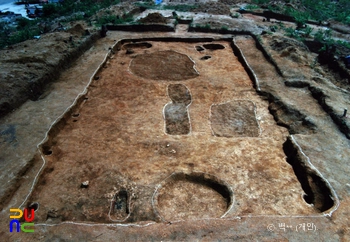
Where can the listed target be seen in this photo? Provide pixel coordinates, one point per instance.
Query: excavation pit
(192, 196)
(141, 45)
(199, 48)
(177, 121)
(234, 119)
(206, 57)
(122, 142)
(164, 65)
(214, 46)
(119, 210)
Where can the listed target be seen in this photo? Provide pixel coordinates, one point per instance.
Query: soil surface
(258, 147)
(127, 114)
(163, 65)
(234, 119)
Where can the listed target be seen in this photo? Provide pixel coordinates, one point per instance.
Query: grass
(323, 10)
(68, 7)
(224, 27)
(207, 26)
(252, 7)
(27, 29)
(319, 10)
(112, 19)
(305, 10)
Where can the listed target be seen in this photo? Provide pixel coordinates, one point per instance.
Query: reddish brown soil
(163, 65)
(234, 119)
(176, 114)
(189, 197)
(117, 142)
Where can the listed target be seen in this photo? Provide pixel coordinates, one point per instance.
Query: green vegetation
(251, 7)
(300, 17)
(207, 26)
(261, 1)
(112, 19)
(68, 7)
(236, 15)
(224, 27)
(26, 29)
(304, 10)
(76, 10)
(301, 10)
(322, 36)
(327, 9)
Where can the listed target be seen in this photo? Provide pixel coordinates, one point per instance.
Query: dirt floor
(116, 140)
(190, 139)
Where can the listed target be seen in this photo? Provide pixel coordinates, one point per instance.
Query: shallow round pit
(213, 46)
(206, 57)
(34, 206)
(140, 45)
(199, 48)
(163, 65)
(46, 150)
(192, 196)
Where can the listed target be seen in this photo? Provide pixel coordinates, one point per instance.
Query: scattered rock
(84, 184)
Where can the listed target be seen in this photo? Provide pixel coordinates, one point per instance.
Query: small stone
(84, 184)
(96, 77)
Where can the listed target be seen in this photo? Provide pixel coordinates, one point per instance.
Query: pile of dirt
(29, 66)
(77, 30)
(154, 18)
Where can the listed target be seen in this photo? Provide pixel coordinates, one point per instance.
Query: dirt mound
(77, 30)
(29, 66)
(154, 18)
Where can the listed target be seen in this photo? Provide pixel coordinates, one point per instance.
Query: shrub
(224, 27)
(113, 19)
(251, 7)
